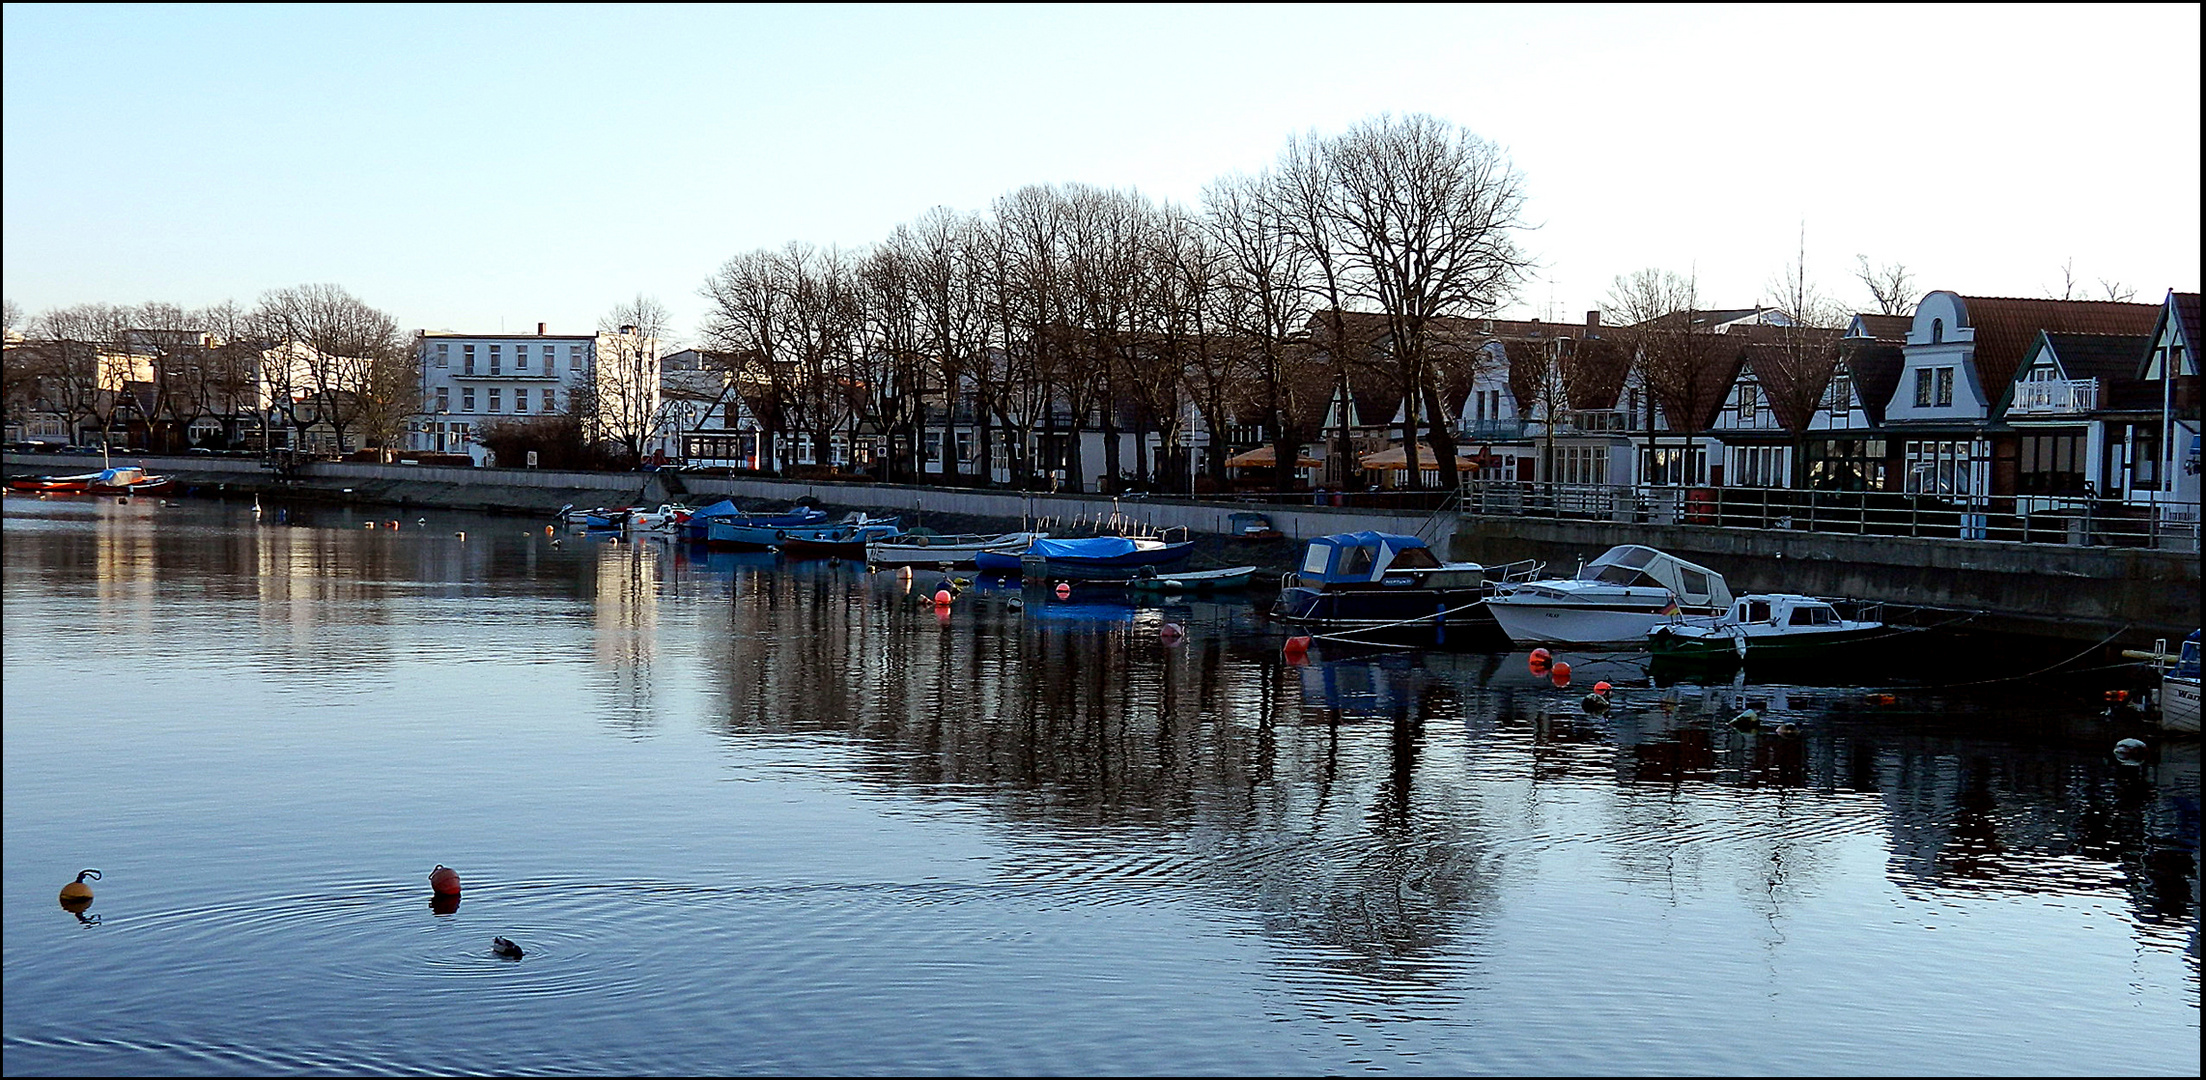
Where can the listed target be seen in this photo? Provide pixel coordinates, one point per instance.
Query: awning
(1262, 458)
(1395, 457)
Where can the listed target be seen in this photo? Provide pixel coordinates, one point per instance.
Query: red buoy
(1064, 589)
(1538, 661)
(1602, 687)
(1562, 673)
(1297, 647)
(445, 880)
(942, 597)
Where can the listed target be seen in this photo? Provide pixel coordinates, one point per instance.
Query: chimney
(1593, 319)
(539, 329)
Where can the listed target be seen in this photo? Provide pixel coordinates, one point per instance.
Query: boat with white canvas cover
(1615, 599)
(916, 549)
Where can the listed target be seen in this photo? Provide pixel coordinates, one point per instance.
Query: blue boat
(723, 525)
(1389, 585)
(1094, 558)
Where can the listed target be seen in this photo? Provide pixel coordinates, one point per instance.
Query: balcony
(2055, 397)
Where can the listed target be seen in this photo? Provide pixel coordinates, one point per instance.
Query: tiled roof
(1875, 366)
(2007, 327)
(1713, 317)
(1886, 327)
(1794, 376)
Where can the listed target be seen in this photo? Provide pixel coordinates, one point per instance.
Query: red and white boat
(77, 484)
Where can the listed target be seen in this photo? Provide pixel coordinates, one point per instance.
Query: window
(1581, 465)
(2050, 464)
(1940, 467)
(551, 362)
(521, 400)
(494, 392)
(467, 359)
(965, 446)
(1842, 393)
(1750, 402)
(1760, 466)
(467, 399)
(494, 350)
(2144, 459)
(1923, 382)
(1937, 331)
(1945, 387)
(444, 355)
(574, 357)
(550, 402)
(934, 446)
(1674, 465)
(521, 363)
(444, 399)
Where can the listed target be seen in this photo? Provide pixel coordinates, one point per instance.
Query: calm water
(759, 817)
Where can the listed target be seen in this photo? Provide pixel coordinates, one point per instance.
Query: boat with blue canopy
(1091, 558)
(1392, 585)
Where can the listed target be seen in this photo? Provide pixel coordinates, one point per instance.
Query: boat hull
(944, 551)
(1576, 624)
(1720, 645)
(2179, 703)
(1408, 612)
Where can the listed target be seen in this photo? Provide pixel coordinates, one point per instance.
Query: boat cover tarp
(723, 508)
(1087, 547)
(1635, 564)
(1354, 556)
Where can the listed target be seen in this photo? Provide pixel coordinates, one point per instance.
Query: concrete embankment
(2084, 593)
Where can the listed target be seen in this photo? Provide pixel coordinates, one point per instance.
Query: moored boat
(128, 480)
(915, 549)
(1089, 558)
(1389, 585)
(1764, 627)
(75, 484)
(1615, 599)
(1231, 577)
(2179, 690)
(842, 540)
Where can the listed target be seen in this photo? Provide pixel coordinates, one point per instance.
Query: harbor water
(745, 814)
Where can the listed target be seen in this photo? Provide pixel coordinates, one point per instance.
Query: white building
(469, 380)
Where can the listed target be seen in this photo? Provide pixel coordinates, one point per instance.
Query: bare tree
(1680, 363)
(1264, 289)
(626, 375)
(336, 349)
(748, 306)
(1795, 362)
(1428, 215)
(1891, 286)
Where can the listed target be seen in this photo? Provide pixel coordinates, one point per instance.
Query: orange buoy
(445, 880)
(1538, 661)
(942, 598)
(1542, 656)
(1561, 674)
(1064, 589)
(1297, 646)
(547, 530)
(1602, 687)
(76, 895)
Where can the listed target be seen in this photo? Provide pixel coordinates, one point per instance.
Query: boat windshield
(1414, 559)
(1615, 574)
(1813, 615)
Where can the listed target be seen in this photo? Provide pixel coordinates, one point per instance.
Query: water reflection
(1408, 835)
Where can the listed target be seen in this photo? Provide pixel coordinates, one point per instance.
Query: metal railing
(2026, 519)
(2059, 397)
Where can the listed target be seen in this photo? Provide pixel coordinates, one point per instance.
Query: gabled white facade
(468, 380)
(1938, 378)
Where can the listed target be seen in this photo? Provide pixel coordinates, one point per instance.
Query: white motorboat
(1615, 599)
(1763, 626)
(2179, 690)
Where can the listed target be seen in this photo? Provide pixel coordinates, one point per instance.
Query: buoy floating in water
(76, 895)
(1560, 676)
(1064, 589)
(1595, 702)
(445, 880)
(1539, 660)
(2128, 752)
(505, 949)
(1297, 647)
(461, 535)
(942, 598)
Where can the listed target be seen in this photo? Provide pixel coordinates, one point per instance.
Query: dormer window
(1937, 331)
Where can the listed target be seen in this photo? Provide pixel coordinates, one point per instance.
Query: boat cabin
(1782, 609)
(1377, 558)
(1635, 565)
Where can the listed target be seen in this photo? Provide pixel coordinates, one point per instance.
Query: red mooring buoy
(445, 880)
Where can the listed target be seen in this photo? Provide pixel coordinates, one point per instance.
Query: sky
(483, 169)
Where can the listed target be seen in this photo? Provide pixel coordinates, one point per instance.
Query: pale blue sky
(472, 168)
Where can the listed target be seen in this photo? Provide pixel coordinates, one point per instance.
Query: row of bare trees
(308, 358)
(1073, 307)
